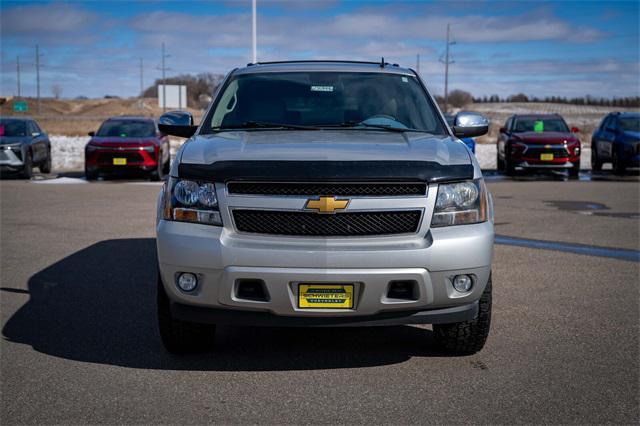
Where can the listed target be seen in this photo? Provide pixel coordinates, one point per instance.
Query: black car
(617, 140)
(23, 145)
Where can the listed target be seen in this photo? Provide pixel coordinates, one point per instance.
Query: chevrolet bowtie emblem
(326, 204)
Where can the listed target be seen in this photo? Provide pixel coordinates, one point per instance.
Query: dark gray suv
(23, 145)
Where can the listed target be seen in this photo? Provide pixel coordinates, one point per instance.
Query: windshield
(630, 124)
(534, 124)
(323, 99)
(127, 129)
(13, 128)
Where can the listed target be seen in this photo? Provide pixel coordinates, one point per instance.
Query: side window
(31, 128)
(607, 123)
(509, 123)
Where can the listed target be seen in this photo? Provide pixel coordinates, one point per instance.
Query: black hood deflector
(326, 171)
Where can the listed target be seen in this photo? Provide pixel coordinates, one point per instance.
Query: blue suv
(617, 140)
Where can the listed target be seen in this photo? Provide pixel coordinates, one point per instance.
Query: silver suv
(324, 193)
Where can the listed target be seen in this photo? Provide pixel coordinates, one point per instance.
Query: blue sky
(540, 48)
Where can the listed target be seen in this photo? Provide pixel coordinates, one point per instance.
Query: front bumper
(221, 257)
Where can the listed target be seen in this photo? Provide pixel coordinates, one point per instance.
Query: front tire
(467, 337)
(181, 337)
(618, 165)
(596, 164)
(27, 169)
(574, 171)
(45, 166)
(510, 170)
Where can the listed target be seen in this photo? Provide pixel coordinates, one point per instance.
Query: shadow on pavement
(98, 305)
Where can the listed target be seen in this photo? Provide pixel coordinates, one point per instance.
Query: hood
(545, 137)
(634, 136)
(324, 145)
(116, 141)
(9, 140)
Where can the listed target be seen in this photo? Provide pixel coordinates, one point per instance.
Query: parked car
(23, 145)
(538, 141)
(469, 142)
(324, 194)
(127, 144)
(617, 140)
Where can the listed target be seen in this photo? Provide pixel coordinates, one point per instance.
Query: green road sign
(20, 106)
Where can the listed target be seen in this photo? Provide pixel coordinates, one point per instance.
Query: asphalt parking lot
(80, 342)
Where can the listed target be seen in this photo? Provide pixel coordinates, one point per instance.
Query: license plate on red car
(546, 157)
(119, 161)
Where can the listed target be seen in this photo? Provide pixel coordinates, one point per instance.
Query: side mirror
(177, 123)
(575, 130)
(503, 130)
(92, 134)
(35, 134)
(470, 124)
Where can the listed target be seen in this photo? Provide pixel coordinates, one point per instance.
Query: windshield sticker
(322, 88)
(405, 80)
(538, 126)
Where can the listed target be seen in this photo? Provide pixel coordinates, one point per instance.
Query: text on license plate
(546, 157)
(119, 161)
(325, 296)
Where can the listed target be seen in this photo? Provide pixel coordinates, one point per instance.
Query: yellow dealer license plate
(119, 161)
(325, 296)
(546, 157)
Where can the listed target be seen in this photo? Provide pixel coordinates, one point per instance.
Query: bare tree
(460, 98)
(56, 91)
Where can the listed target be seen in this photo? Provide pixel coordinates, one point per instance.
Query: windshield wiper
(265, 125)
(356, 124)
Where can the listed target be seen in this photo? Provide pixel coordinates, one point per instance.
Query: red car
(541, 141)
(127, 144)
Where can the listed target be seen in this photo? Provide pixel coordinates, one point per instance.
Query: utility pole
(254, 29)
(38, 75)
(447, 62)
(18, 72)
(141, 82)
(164, 82)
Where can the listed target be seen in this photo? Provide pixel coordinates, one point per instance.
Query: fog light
(187, 281)
(462, 283)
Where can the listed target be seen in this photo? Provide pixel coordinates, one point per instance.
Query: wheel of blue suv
(596, 164)
(467, 337)
(45, 166)
(27, 168)
(181, 337)
(617, 163)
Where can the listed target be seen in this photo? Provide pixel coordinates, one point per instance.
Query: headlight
(191, 201)
(91, 147)
(460, 203)
(148, 148)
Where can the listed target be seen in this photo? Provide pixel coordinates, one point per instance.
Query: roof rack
(382, 64)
